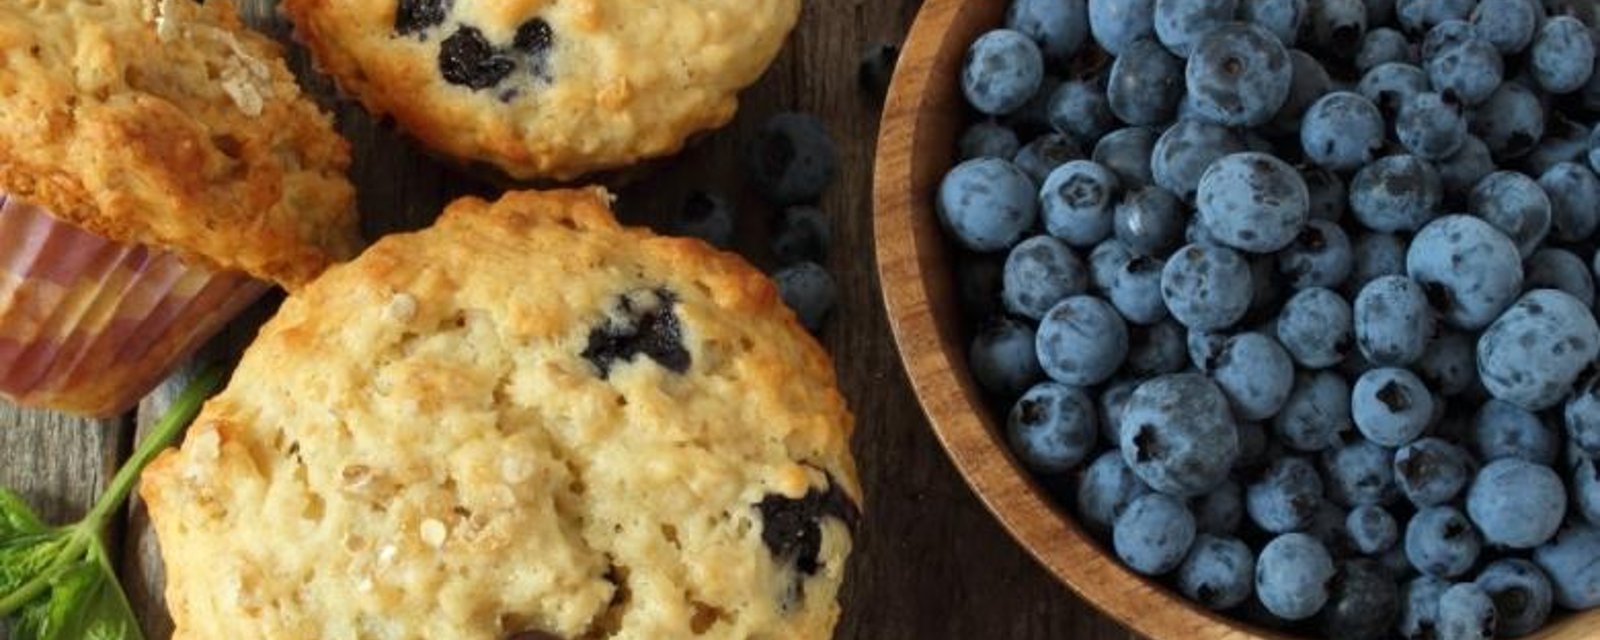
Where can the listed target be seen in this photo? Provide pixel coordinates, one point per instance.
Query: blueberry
(1205, 349)
(1582, 416)
(1360, 474)
(1149, 221)
(1153, 534)
(1156, 349)
(1376, 255)
(1383, 45)
(1181, 24)
(1431, 125)
(1531, 355)
(535, 39)
(1184, 151)
(1431, 471)
(1206, 287)
(1253, 201)
(1585, 478)
(467, 59)
(809, 290)
(1043, 154)
(1364, 603)
(1320, 256)
(644, 324)
(1003, 358)
(1395, 193)
(1041, 272)
(1052, 428)
(1466, 167)
(1136, 290)
(1440, 542)
(1466, 613)
(988, 139)
(1514, 204)
(1449, 364)
(1393, 322)
(1336, 27)
(1574, 201)
(1178, 435)
(1285, 497)
(1081, 341)
(1327, 193)
(1281, 18)
(1238, 75)
(1316, 414)
(792, 159)
(706, 216)
(1594, 149)
(803, 235)
(1033, 117)
(1002, 69)
(1392, 84)
(1516, 503)
(1469, 269)
(1315, 326)
(1106, 489)
(1372, 530)
(1342, 131)
(987, 204)
(416, 16)
(1146, 84)
(1521, 594)
(1077, 201)
(1309, 82)
(1391, 407)
(1220, 511)
(1568, 561)
(1106, 262)
(1255, 373)
(1116, 24)
(1419, 607)
(1560, 269)
(1059, 27)
(792, 528)
(1506, 24)
(1080, 110)
(1504, 430)
(1417, 16)
(1126, 152)
(1219, 572)
(1113, 397)
(1562, 57)
(1294, 574)
(1468, 70)
(876, 70)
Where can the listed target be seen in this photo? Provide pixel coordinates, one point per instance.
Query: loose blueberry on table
(1310, 335)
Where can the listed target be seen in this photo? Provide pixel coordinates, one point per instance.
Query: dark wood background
(930, 561)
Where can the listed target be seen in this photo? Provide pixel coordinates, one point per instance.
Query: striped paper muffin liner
(88, 325)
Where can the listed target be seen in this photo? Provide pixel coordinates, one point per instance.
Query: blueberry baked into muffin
(547, 88)
(526, 422)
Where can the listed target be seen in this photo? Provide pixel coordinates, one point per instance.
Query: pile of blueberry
(1292, 301)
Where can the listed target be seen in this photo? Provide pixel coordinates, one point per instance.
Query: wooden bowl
(916, 146)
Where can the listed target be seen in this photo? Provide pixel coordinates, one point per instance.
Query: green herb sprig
(57, 583)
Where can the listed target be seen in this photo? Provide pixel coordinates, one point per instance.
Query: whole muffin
(525, 422)
(547, 88)
(158, 169)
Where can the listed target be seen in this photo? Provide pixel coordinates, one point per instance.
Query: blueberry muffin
(159, 169)
(547, 88)
(526, 422)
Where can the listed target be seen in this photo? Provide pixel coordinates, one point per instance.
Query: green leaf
(85, 603)
(23, 558)
(16, 518)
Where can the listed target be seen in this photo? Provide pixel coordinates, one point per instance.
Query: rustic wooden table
(930, 562)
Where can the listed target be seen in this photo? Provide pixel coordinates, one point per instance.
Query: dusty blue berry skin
(1039, 273)
(1392, 84)
(1320, 256)
(1342, 131)
(1391, 406)
(1003, 359)
(1510, 122)
(1136, 291)
(1204, 348)
(1003, 68)
(1506, 24)
(1360, 474)
(1582, 417)
(792, 159)
(1364, 604)
(1060, 28)
(1449, 365)
(1219, 572)
(1079, 109)
(1156, 349)
(987, 204)
(1185, 150)
(1149, 221)
(1178, 436)
(1533, 353)
(804, 234)
(1585, 478)
(1309, 80)
(1105, 490)
(1282, 18)
(1335, 27)
(1431, 126)
(1153, 534)
(1568, 561)
(1562, 57)
(1504, 430)
(1470, 69)
(1466, 167)
(1516, 503)
(988, 139)
(1077, 201)
(1115, 24)
(1594, 149)
(1293, 573)
(1559, 269)
(1419, 607)
(1238, 75)
(1106, 260)
(1556, 147)
(1285, 497)
(1182, 24)
(1315, 326)
(1396, 193)
(1521, 594)
(1082, 341)
(1516, 205)
(1418, 16)
(1253, 201)
(1113, 397)
(1383, 45)
(1371, 529)
(1126, 152)
(1317, 412)
(1327, 191)
(1470, 270)
(1431, 471)
(1043, 154)
(1376, 255)
(809, 290)
(1441, 542)
(1466, 613)
(1206, 288)
(1393, 322)
(1255, 373)
(1220, 511)
(1052, 428)
(1574, 201)
(1146, 84)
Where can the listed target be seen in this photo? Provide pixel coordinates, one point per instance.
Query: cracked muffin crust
(525, 422)
(547, 88)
